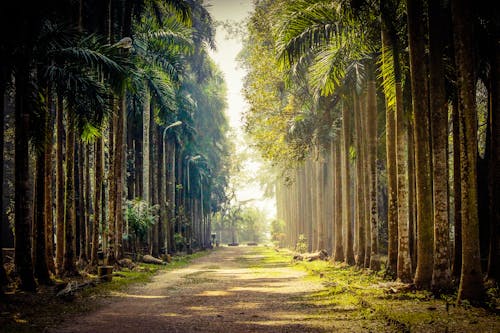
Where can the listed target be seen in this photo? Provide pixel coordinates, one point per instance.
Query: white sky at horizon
(225, 58)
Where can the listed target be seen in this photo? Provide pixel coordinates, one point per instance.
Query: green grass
(364, 296)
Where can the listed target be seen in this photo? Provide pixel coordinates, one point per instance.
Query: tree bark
(97, 201)
(471, 282)
(48, 183)
(360, 218)
(23, 199)
(441, 276)
(372, 159)
(457, 194)
(392, 179)
(420, 97)
(40, 253)
(346, 185)
(120, 149)
(70, 212)
(59, 186)
(494, 186)
(3, 274)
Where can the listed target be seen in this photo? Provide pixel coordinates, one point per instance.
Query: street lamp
(170, 196)
(177, 123)
(189, 160)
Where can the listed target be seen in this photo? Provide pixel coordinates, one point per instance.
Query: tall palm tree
(471, 282)
(441, 275)
(420, 98)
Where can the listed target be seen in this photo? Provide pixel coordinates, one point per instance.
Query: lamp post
(190, 233)
(170, 197)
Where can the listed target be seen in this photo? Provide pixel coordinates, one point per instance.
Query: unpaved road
(230, 290)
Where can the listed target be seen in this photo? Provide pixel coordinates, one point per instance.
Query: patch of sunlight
(266, 289)
(201, 308)
(124, 295)
(171, 314)
(214, 293)
(247, 305)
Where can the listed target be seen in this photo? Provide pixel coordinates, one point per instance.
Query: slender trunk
(23, 259)
(494, 186)
(339, 240)
(319, 201)
(371, 109)
(48, 181)
(471, 281)
(146, 114)
(420, 98)
(360, 218)
(40, 254)
(79, 202)
(154, 189)
(88, 202)
(367, 193)
(97, 201)
(171, 195)
(392, 179)
(162, 194)
(120, 149)
(3, 274)
(70, 212)
(59, 186)
(404, 266)
(112, 187)
(441, 276)
(457, 194)
(309, 204)
(346, 185)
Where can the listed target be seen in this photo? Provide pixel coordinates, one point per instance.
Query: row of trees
(369, 110)
(111, 100)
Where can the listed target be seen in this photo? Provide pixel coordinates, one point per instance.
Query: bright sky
(225, 57)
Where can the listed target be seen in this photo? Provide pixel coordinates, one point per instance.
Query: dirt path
(230, 290)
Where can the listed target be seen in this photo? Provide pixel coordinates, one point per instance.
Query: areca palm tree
(326, 36)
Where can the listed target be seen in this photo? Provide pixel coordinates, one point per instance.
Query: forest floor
(257, 289)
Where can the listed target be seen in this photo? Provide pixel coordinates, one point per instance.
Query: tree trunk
(112, 187)
(471, 281)
(40, 253)
(420, 97)
(457, 194)
(146, 114)
(70, 212)
(494, 186)
(88, 202)
(48, 181)
(154, 189)
(80, 202)
(171, 194)
(23, 199)
(371, 109)
(360, 218)
(320, 179)
(441, 276)
(162, 194)
(97, 200)
(346, 185)
(120, 150)
(3, 274)
(392, 175)
(59, 186)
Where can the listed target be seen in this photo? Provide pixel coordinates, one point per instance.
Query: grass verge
(368, 301)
